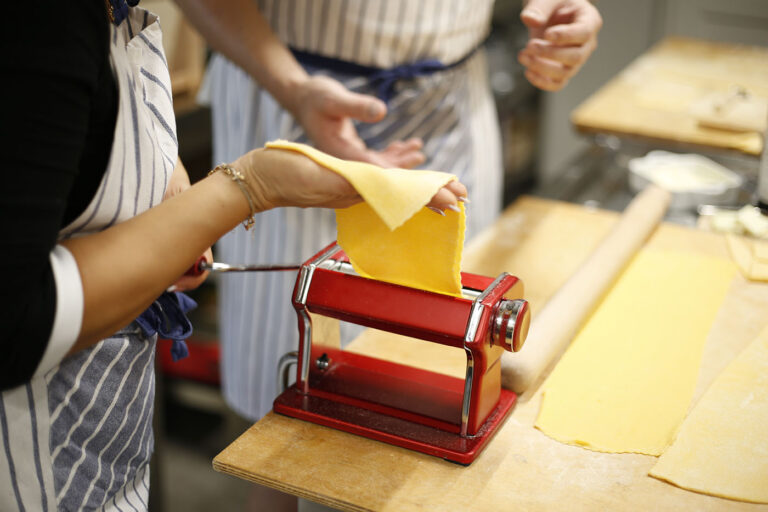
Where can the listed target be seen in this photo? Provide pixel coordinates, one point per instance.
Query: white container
(692, 179)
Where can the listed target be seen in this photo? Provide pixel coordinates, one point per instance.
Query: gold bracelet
(238, 178)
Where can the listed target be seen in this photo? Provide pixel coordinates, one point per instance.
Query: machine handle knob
(198, 267)
(510, 324)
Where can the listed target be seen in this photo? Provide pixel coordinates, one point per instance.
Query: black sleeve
(55, 60)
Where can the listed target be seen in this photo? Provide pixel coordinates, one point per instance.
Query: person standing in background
(392, 82)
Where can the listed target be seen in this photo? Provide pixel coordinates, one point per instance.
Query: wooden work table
(542, 242)
(655, 97)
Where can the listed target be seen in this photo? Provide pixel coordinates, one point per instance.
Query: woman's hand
(325, 109)
(563, 34)
(285, 178)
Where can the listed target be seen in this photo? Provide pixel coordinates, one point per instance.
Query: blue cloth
(166, 317)
(120, 9)
(382, 79)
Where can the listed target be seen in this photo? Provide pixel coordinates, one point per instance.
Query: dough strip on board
(553, 328)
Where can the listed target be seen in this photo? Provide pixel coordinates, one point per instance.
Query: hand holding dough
(391, 236)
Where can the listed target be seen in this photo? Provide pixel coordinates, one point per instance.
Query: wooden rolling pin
(553, 328)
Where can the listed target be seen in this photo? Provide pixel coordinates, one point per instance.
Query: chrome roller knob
(510, 324)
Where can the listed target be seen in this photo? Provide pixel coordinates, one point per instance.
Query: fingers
(544, 83)
(561, 44)
(403, 154)
(458, 189)
(401, 146)
(349, 146)
(536, 13)
(549, 66)
(575, 24)
(360, 106)
(399, 154)
(572, 34)
(326, 114)
(448, 198)
(570, 21)
(544, 73)
(345, 143)
(192, 282)
(571, 56)
(338, 101)
(407, 161)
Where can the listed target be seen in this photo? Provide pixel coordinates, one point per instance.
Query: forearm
(237, 29)
(126, 267)
(123, 269)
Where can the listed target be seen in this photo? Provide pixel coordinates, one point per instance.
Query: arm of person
(124, 260)
(60, 297)
(121, 270)
(563, 34)
(323, 106)
(178, 183)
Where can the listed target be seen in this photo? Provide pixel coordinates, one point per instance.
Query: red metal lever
(196, 268)
(202, 265)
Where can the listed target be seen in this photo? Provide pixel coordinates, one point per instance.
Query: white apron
(452, 111)
(81, 436)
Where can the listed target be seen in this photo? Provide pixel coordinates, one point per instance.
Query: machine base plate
(389, 429)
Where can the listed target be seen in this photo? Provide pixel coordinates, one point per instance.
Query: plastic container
(692, 179)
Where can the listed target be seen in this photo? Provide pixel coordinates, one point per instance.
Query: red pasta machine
(402, 405)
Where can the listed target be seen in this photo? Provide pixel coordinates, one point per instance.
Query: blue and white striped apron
(452, 111)
(80, 437)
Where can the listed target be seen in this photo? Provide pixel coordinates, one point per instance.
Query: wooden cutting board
(542, 242)
(660, 95)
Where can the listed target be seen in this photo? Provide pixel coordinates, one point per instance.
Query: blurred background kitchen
(555, 146)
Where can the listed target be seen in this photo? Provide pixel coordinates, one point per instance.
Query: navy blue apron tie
(166, 317)
(120, 8)
(383, 80)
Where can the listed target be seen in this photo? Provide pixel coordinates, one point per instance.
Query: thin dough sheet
(392, 237)
(625, 383)
(722, 447)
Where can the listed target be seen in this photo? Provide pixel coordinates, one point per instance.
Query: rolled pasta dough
(722, 447)
(626, 382)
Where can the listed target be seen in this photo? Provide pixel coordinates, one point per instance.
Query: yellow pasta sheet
(391, 236)
(722, 447)
(625, 383)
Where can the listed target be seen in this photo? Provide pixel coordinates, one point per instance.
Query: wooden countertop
(653, 98)
(542, 242)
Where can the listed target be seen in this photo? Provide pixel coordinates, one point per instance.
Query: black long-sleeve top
(58, 109)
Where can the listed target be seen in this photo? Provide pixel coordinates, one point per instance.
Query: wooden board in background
(655, 97)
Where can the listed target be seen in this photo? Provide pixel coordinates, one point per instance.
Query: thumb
(536, 13)
(358, 106)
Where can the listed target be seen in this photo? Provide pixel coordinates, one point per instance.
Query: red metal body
(402, 405)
